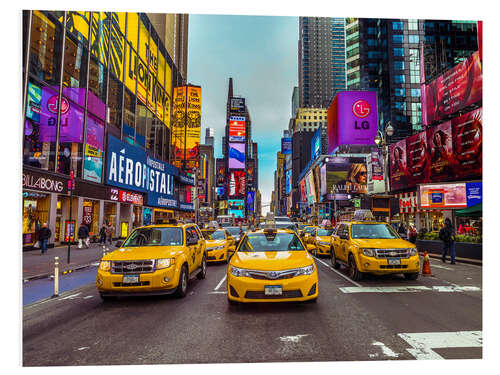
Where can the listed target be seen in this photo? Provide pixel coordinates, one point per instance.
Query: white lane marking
(295, 338)
(87, 297)
(409, 289)
(442, 267)
(385, 350)
(84, 348)
(220, 283)
(72, 296)
(217, 293)
(423, 343)
(334, 270)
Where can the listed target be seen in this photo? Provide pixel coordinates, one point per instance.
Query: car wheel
(316, 252)
(106, 298)
(335, 264)
(203, 273)
(183, 281)
(227, 257)
(411, 276)
(354, 273)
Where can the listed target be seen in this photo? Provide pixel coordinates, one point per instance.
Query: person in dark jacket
(102, 234)
(447, 235)
(43, 237)
(83, 236)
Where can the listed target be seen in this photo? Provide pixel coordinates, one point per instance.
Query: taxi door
(340, 252)
(192, 243)
(202, 244)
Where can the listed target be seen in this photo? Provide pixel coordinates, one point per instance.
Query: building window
(75, 66)
(397, 38)
(412, 24)
(129, 118)
(415, 93)
(413, 39)
(399, 78)
(400, 92)
(115, 103)
(397, 25)
(399, 52)
(399, 65)
(97, 83)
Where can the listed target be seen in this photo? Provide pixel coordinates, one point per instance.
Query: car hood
(323, 238)
(272, 260)
(215, 243)
(144, 252)
(394, 243)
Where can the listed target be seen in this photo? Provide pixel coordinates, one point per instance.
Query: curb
(460, 260)
(47, 275)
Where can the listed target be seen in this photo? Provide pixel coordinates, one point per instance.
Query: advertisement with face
(454, 90)
(236, 207)
(221, 172)
(468, 144)
(418, 158)
(237, 130)
(323, 179)
(347, 174)
(236, 155)
(311, 194)
(250, 172)
(443, 196)
(236, 184)
(303, 193)
(440, 141)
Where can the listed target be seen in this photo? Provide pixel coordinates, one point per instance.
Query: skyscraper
(321, 53)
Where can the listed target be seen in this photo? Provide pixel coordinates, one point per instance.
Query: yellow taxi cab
(307, 233)
(321, 240)
(155, 259)
(271, 265)
(220, 244)
(367, 246)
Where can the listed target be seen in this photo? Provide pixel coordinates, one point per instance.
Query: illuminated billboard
(236, 155)
(286, 146)
(236, 184)
(443, 196)
(237, 105)
(237, 129)
(236, 207)
(352, 119)
(347, 174)
(288, 187)
(220, 166)
(452, 91)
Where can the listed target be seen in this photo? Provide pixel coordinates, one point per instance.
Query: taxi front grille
(210, 258)
(261, 295)
(133, 266)
(392, 267)
(392, 253)
(140, 283)
(272, 275)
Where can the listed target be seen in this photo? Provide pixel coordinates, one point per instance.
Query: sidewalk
(39, 266)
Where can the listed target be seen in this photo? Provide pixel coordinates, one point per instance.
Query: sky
(260, 54)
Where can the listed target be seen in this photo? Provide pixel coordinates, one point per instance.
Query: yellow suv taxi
(307, 233)
(271, 265)
(373, 247)
(321, 238)
(155, 259)
(220, 244)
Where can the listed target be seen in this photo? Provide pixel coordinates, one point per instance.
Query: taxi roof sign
(363, 215)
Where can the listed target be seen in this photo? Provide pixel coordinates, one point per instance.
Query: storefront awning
(474, 211)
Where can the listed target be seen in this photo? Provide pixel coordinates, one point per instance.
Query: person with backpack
(83, 236)
(447, 235)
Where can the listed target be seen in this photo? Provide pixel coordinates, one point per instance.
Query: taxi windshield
(235, 231)
(369, 231)
(271, 242)
(155, 237)
(325, 232)
(217, 235)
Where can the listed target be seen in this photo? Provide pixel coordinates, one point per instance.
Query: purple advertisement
(236, 155)
(353, 121)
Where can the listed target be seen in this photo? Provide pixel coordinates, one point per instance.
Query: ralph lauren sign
(41, 181)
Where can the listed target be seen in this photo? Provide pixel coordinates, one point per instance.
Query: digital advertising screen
(443, 196)
(316, 144)
(398, 165)
(237, 105)
(286, 146)
(467, 131)
(251, 201)
(220, 191)
(288, 187)
(418, 158)
(236, 207)
(250, 172)
(236, 155)
(347, 174)
(236, 184)
(237, 128)
(220, 172)
(442, 159)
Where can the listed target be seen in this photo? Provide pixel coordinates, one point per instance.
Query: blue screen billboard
(286, 146)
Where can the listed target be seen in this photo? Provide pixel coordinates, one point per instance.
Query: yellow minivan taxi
(155, 259)
(373, 247)
(271, 265)
(220, 245)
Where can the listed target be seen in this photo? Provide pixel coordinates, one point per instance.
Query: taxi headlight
(238, 272)
(215, 248)
(413, 251)
(105, 265)
(164, 263)
(305, 270)
(368, 252)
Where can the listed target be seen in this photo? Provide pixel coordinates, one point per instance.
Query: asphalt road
(379, 318)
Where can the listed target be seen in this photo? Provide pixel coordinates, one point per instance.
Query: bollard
(103, 250)
(56, 277)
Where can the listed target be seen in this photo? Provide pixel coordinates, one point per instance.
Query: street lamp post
(334, 193)
(381, 141)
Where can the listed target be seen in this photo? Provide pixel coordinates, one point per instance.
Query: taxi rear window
(217, 235)
(271, 242)
(325, 232)
(155, 237)
(369, 231)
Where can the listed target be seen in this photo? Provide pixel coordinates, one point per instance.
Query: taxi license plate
(273, 290)
(130, 279)
(394, 262)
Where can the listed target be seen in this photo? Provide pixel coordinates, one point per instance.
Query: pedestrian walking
(109, 232)
(83, 236)
(447, 235)
(412, 234)
(102, 234)
(43, 237)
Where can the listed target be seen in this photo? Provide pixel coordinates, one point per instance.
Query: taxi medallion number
(130, 279)
(394, 261)
(273, 290)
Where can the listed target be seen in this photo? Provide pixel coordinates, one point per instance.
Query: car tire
(333, 258)
(181, 290)
(354, 273)
(411, 276)
(107, 298)
(203, 273)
